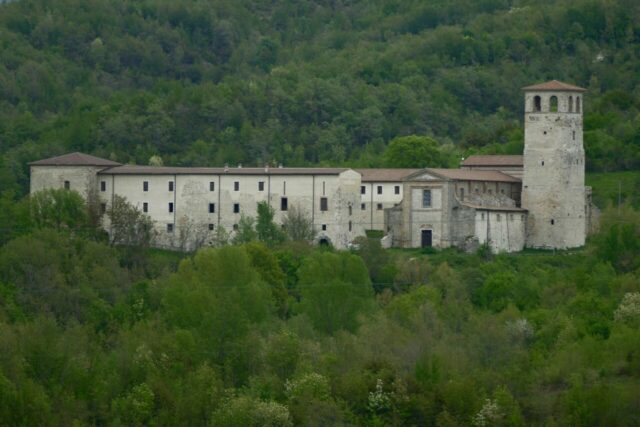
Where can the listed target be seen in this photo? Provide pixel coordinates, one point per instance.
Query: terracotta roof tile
(74, 159)
(554, 85)
(385, 175)
(167, 170)
(494, 160)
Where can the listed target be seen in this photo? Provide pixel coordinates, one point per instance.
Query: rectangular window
(212, 207)
(462, 194)
(350, 226)
(170, 185)
(236, 186)
(103, 208)
(379, 206)
(145, 186)
(212, 186)
(379, 189)
(169, 228)
(170, 207)
(145, 207)
(324, 204)
(363, 189)
(103, 185)
(67, 185)
(396, 189)
(235, 227)
(260, 185)
(426, 198)
(324, 227)
(236, 208)
(210, 227)
(284, 204)
(363, 206)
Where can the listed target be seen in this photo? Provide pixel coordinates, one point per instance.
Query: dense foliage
(248, 335)
(306, 81)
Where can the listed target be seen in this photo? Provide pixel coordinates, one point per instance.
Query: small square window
(396, 189)
(67, 185)
(212, 207)
(324, 204)
(324, 227)
(363, 189)
(145, 207)
(170, 207)
(363, 206)
(236, 186)
(236, 208)
(284, 204)
(260, 185)
(169, 228)
(379, 206)
(210, 227)
(145, 186)
(212, 186)
(170, 185)
(379, 189)
(103, 185)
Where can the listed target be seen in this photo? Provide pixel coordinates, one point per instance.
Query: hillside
(305, 82)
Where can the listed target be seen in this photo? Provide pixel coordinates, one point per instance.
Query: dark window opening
(363, 189)
(145, 207)
(379, 206)
(170, 185)
(462, 194)
(324, 204)
(350, 226)
(284, 204)
(324, 227)
(350, 210)
(379, 189)
(363, 206)
(426, 198)
(212, 186)
(396, 189)
(170, 207)
(103, 186)
(571, 104)
(210, 227)
(236, 186)
(553, 222)
(235, 227)
(103, 208)
(67, 185)
(212, 207)
(543, 163)
(169, 228)
(236, 208)
(577, 104)
(574, 135)
(553, 104)
(145, 186)
(537, 103)
(260, 185)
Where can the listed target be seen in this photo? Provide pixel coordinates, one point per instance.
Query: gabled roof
(494, 160)
(169, 170)
(74, 159)
(472, 175)
(554, 85)
(385, 175)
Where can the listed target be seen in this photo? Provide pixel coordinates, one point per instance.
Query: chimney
(226, 167)
(239, 165)
(279, 165)
(266, 168)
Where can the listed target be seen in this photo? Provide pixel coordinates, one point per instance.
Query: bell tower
(553, 188)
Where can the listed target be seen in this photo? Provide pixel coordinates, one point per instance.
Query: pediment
(425, 177)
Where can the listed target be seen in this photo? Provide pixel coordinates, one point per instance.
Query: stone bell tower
(553, 188)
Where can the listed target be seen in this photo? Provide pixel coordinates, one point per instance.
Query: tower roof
(74, 159)
(554, 85)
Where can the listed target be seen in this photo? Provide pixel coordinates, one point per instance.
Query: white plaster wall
(431, 218)
(505, 231)
(371, 217)
(80, 178)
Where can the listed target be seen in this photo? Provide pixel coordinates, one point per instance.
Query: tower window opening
(553, 104)
(553, 221)
(571, 104)
(577, 104)
(543, 163)
(537, 103)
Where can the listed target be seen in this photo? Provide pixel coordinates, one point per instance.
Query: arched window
(577, 104)
(553, 104)
(571, 104)
(537, 103)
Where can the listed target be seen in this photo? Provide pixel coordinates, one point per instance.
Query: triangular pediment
(424, 175)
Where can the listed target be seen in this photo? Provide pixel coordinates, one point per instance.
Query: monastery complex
(536, 200)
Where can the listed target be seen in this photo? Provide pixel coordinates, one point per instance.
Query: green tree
(414, 152)
(298, 225)
(59, 209)
(267, 230)
(128, 225)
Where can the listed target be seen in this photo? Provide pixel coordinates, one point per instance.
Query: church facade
(507, 202)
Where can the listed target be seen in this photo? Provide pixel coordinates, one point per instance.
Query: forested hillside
(305, 82)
